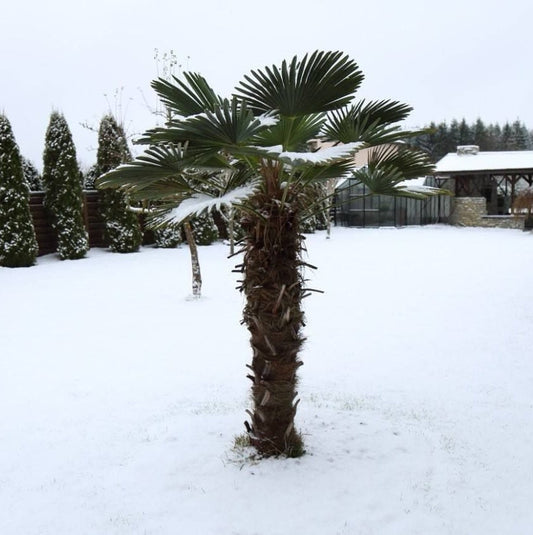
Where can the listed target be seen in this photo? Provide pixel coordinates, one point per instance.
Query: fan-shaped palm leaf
(320, 82)
(321, 173)
(189, 97)
(389, 166)
(292, 133)
(197, 203)
(371, 122)
(231, 127)
(158, 163)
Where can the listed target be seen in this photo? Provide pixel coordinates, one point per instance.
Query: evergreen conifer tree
(63, 193)
(465, 133)
(494, 137)
(506, 137)
(480, 135)
(122, 228)
(31, 175)
(519, 138)
(18, 245)
(453, 136)
(439, 140)
(442, 142)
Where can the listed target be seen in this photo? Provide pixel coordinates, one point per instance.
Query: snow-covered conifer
(18, 245)
(63, 193)
(89, 176)
(122, 228)
(31, 175)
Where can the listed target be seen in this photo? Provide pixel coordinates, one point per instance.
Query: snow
(267, 119)
(485, 161)
(121, 398)
(318, 157)
(417, 188)
(199, 202)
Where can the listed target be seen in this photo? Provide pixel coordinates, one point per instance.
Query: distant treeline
(444, 138)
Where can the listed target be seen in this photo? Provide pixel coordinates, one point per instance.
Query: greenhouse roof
(497, 162)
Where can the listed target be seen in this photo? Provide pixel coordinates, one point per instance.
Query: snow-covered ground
(120, 398)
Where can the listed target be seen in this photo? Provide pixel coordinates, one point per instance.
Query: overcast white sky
(451, 59)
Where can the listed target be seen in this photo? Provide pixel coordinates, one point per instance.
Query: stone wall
(503, 221)
(472, 212)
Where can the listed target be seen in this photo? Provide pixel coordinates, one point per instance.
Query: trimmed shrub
(18, 245)
(167, 237)
(63, 193)
(204, 229)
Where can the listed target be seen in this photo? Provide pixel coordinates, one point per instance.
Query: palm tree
(251, 152)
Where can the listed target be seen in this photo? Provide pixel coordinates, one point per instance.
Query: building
(356, 206)
(485, 185)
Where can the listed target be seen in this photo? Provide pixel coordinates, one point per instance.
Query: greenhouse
(354, 206)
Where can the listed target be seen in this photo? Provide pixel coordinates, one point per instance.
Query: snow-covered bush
(18, 245)
(204, 229)
(523, 204)
(63, 193)
(122, 227)
(167, 237)
(308, 225)
(316, 217)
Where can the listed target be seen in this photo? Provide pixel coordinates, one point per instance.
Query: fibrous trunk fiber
(273, 285)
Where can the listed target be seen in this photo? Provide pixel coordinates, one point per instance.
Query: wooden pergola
(497, 176)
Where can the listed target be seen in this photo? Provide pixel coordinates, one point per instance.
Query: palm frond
(292, 133)
(325, 156)
(319, 82)
(321, 173)
(158, 163)
(372, 122)
(412, 163)
(178, 209)
(231, 127)
(389, 167)
(189, 97)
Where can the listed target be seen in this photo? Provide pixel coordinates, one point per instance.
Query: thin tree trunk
(330, 191)
(220, 223)
(195, 262)
(231, 230)
(273, 285)
(329, 205)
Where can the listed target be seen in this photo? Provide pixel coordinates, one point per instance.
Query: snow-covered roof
(518, 160)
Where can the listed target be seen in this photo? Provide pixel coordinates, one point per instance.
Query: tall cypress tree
(122, 228)
(63, 193)
(18, 245)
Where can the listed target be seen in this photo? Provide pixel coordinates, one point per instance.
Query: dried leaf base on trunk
(273, 284)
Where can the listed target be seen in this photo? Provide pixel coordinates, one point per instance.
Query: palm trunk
(273, 285)
(195, 262)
